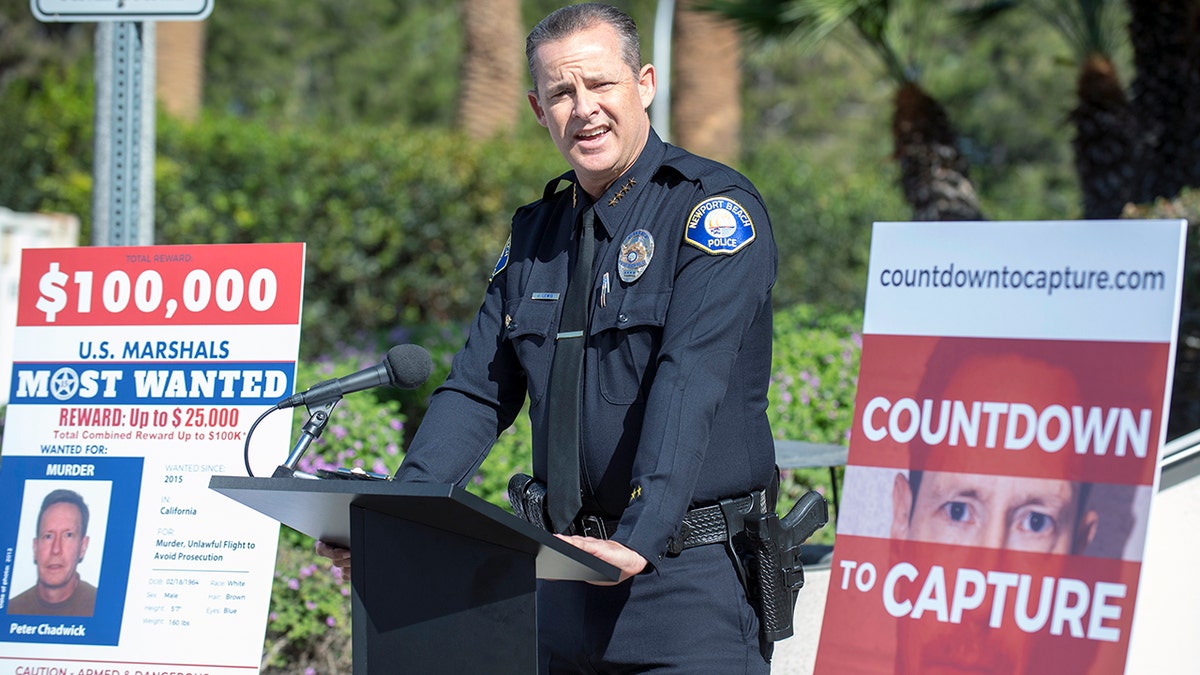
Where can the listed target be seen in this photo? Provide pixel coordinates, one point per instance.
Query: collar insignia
(621, 193)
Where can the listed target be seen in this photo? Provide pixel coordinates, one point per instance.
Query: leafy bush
(401, 228)
(821, 217)
(1184, 410)
(46, 133)
(814, 379)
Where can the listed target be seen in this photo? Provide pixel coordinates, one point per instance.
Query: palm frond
(811, 22)
(1087, 26)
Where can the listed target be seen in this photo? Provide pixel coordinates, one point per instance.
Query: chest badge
(636, 252)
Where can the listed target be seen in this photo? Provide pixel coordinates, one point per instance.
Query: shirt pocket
(527, 325)
(625, 339)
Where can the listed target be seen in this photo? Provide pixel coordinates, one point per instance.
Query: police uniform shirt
(678, 352)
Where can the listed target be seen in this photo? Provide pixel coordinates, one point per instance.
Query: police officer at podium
(645, 370)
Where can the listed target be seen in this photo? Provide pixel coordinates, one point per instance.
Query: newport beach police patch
(719, 225)
(503, 261)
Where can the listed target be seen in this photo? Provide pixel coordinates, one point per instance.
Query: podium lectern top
(321, 510)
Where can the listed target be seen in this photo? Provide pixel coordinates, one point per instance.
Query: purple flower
(293, 584)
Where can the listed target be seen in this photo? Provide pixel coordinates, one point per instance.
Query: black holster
(766, 552)
(528, 499)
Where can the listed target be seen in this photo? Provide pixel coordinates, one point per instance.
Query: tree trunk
(1107, 144)
(706, 104)
(933, 173)
(493, 64)
(179, 67)
(1166, 92)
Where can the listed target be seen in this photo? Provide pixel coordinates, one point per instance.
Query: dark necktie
(566, 383)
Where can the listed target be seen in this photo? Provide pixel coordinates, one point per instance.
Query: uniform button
(622, 318)
(512, 325)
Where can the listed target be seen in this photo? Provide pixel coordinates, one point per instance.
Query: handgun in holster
(528, 499)
(767, 550)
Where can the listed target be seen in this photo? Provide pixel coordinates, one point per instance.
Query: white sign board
(1009, 418)
(137, 374)
(121, 10)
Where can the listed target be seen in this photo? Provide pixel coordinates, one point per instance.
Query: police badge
(636, 252)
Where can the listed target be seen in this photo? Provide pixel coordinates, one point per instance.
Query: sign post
(123, 168)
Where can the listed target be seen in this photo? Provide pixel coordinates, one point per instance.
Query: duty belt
(701, 525)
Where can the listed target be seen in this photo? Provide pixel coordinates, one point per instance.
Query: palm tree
(491, 94)
(706, 96)
(933, 171)
(1108, 145)
(179, 67)
(1166, 92)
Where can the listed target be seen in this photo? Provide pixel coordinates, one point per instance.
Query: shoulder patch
(719, 225)
(503, 261)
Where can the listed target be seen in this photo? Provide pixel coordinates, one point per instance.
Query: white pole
(660, 110)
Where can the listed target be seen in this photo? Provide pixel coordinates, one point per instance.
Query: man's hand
(339, 556)
(625, 559)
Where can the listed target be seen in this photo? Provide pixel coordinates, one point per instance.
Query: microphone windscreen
(408, 366)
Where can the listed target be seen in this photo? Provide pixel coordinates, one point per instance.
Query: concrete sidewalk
(797, 654)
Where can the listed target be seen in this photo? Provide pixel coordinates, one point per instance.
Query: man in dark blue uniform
(676, 363)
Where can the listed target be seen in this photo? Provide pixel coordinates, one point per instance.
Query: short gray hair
(65, 497)
(567, 21)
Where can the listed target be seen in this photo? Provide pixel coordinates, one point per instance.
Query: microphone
(404, 367)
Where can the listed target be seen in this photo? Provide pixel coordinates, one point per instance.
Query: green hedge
(402, 227)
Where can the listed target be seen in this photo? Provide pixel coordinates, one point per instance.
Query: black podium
(443, 581)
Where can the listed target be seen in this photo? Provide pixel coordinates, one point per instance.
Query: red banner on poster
(148, 286)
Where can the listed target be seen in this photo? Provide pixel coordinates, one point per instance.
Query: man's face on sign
(59, 547)
(1020, 514)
